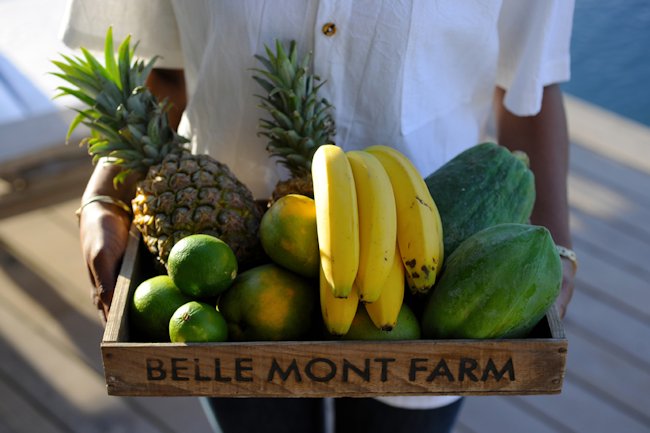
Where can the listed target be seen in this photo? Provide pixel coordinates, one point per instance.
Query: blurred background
(51, 377)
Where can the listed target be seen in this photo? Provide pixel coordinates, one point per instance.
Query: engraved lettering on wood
(325, 370)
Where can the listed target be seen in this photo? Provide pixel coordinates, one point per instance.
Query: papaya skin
(497, 284)
(483, 186)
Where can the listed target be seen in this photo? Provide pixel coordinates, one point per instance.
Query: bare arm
(544, 137)
(170, 84)
(104, 228)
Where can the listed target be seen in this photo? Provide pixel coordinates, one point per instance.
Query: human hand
(568, 283)
(104, 231)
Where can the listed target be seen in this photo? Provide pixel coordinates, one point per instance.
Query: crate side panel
(336, 368)
(117, 325)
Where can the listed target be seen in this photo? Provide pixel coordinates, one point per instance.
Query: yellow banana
(337, 218)
(384, 311)
(377, 223)
(338, 313)
(419, 229)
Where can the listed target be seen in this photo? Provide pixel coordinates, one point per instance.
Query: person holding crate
(424, 76)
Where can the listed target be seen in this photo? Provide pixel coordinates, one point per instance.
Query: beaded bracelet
(104, 199)
(568, 254)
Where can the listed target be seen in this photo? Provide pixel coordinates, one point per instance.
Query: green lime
(152, 305)
(202, 266)
(197, 322)
(362, 328)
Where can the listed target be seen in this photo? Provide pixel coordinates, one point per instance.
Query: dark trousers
(307, 415)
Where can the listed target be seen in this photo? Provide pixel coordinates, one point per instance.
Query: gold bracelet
(568, 254)
(104, 199)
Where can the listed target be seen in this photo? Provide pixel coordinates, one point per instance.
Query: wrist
(105, 200)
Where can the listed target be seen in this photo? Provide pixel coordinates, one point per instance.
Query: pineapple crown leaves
(300, 120)
(128, 124)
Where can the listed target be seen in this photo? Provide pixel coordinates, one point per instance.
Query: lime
(152, 305)
(362, 328)
(269, 302)
(201, 265)
(197, 322)
(288, 234)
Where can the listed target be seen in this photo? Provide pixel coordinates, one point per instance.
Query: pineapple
(300, 120)
(181, 193)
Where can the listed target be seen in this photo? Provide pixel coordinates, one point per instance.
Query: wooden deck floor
(51, 376)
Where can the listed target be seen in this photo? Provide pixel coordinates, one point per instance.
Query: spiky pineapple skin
(187, 194)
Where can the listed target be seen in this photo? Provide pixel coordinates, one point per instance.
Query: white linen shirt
(414, 74)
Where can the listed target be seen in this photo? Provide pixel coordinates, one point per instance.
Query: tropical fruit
(202, 266)
(300, 120)
(483, 186)
(498, 283)
(419, 229)
(377, 223)
(337, 218)
(181, 193)
(197, 322)
(152, 305)
(362, 328)
(337, 313)
(385, 310)
(269, 302)
(288, 234)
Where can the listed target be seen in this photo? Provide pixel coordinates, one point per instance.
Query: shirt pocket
(450, 58)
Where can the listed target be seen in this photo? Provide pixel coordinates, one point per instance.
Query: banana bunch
(377, 225)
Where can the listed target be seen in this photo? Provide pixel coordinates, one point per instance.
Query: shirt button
(329, 29)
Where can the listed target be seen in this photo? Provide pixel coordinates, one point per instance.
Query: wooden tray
(534, 365)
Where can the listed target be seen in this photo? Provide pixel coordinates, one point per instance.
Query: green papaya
(483, 186)
(498, 283)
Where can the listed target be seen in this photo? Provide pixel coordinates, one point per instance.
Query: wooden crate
(533, 365)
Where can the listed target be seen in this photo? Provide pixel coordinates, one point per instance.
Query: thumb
(105, 270)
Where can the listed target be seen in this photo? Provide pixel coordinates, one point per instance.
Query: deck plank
(598, 276)
(616, 330)
(616, 176)
(613, 241)
(477, 413)
(608, 375)
(593, 369)
(63, 214)
(74, 341)
(581, 411)
(19, 414)
(609, 134)
(70, 323)
(39, 242)
(589, 196)
(71, 391)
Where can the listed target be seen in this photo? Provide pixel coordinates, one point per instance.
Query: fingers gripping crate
(534, 365)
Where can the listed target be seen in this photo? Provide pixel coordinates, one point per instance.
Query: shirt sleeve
(151, 23)
(534, 50)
